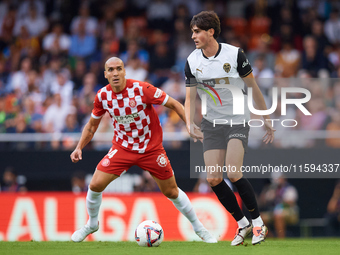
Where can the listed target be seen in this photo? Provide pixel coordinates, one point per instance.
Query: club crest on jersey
(162, 161)
(226, 67)
(132, 102)
(105, 162)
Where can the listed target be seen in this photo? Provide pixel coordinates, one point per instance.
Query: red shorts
(118, 160)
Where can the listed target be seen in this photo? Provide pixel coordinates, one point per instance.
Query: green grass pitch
(270, 246)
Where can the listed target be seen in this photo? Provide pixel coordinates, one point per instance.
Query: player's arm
(86, 136)
(190, 104)
(173, 104)
(246, 72)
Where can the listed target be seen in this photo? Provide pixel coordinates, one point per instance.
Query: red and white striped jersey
(135, 121)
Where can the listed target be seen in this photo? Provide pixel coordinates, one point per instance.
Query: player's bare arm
(260, 105)
(189, 108)
(86, 136)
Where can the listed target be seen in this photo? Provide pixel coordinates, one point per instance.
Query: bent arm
(257, 94)
(173, 104)
(86, 136)
(88, 132)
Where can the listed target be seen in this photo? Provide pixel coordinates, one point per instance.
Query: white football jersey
(219, 81)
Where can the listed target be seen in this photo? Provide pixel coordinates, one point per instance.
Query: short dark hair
(206, 20)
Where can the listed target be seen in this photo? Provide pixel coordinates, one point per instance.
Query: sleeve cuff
(96, 117)
(166, 99)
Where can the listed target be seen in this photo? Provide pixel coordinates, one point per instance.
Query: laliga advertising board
(55, 216)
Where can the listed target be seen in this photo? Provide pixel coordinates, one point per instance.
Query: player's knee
(214, 181)
(171, 193)
(234, 177)
(96, 187)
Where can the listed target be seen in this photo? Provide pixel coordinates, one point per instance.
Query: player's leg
(107, 170)
(93, 201)
(181, 201)
(234, 158)
(224, 194)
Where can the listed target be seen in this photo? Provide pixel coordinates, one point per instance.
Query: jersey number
(112, 153)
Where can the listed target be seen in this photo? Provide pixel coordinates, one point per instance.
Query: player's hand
(195, 132)
(269, 135)
(76, 155)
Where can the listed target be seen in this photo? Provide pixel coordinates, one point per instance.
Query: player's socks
(247, 194)
(93, 201)
(228, 200)
(183, 204)
(258, 222)
(243, 222)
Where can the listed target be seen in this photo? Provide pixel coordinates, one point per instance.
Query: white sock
(258, 222)
(243, 222)
(93, 201)
(183, 204)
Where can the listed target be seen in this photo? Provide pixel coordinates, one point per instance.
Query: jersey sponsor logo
(158, 93)
(200, 70)
(245, 63)
(105, 162)
(126, 119)
(162, 161)
(132, 102)
(226, 67)
(237, 135)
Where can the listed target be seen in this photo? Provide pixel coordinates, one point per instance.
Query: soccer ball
(149, 234)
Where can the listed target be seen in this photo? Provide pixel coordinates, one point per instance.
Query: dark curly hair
(206, 20)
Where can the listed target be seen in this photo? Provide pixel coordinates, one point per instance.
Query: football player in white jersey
(137, 140)
(210, 70)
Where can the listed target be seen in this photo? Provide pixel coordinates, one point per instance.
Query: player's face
(200, 37)
(115, 74)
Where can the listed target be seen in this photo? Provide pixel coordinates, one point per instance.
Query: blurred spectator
(55, 115)
(333, 126)
(36, 23)
(11, 182)
(19, 78)
(111, 21)
(161, 62)
(286, 33)
(332, 27)
(57, 42)
(79, 73)
(287, 60)
(134, 49)
(134, 69)
(4, 78)
(26, 5)
(2, 114)
(7, 23)
(84, 23)
(175, 85)
(159, 14)
(78, 182)
(278, 205)
(83, 45)
(263, 74)
(64, 87)
(313, 59)
(262, 49)
(333, 213)
(318, 33)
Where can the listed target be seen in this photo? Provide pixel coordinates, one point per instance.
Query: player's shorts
(218, 137)
(118, 161)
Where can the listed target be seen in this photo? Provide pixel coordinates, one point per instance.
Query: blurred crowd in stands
(52, 56)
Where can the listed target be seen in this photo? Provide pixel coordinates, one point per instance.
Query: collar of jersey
(218, 52)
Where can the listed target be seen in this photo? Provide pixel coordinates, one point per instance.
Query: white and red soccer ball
(149, 234)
